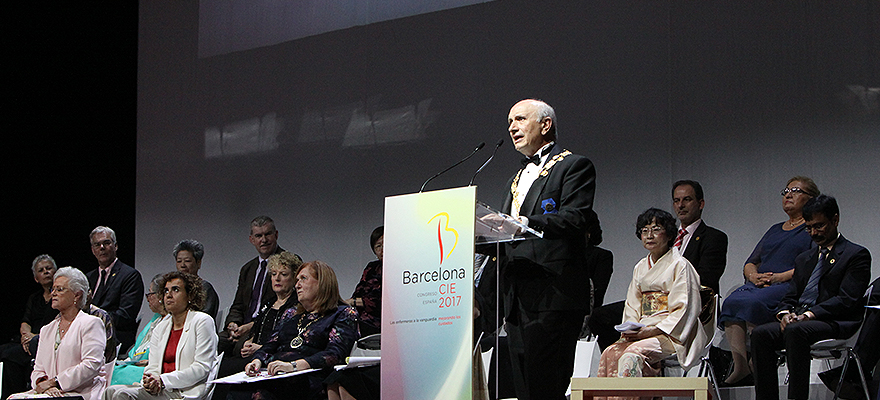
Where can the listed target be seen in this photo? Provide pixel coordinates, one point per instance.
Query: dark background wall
(111, 107)
(69, 116)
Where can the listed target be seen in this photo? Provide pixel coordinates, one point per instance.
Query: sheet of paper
(628, 326)
(354, 362)
(241, 377)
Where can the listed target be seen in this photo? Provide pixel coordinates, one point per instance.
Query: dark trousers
(796, 340)
(542, 346)
(602, 321)
(16, 369)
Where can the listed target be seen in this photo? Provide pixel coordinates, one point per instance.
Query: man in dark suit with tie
(824, 302)
(254, 284)
(542, 279)
(116, 287)
(704, 246)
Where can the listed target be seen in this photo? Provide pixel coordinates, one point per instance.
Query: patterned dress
(370, 290)
(321, 340)
(665, 294)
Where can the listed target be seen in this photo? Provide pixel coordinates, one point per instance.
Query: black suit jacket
(243, 292)
(841, 288)
(707, 252)
(121, 295)
(549, 273)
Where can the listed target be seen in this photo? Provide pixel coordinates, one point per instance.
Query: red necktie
(680, 238)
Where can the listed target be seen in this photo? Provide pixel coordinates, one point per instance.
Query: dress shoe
(747, 380)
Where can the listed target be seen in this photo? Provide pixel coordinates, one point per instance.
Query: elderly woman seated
(662, 302)
(318, 334)
(282, 271)
(70, 357)
(182, 347)
(38, 312)
(767, 272)
(131, 370)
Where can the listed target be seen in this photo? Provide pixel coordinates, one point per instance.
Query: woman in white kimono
(664, 297)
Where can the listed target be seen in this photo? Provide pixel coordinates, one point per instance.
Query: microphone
(479, 146)
(497, 145)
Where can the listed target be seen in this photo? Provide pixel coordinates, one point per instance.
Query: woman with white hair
(70, 355)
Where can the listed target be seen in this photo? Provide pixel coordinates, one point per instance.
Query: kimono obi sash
(654, 302)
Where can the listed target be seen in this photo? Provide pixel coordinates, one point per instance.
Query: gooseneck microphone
(479, 146)
(497, 145)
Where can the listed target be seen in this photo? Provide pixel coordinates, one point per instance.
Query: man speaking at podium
(544, 281)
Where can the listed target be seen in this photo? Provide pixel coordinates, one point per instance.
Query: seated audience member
(363, 383)
(367, 296)
(182, 347)
(132, 371)
(703, 246)
(116, 287)
(767, 273)
(17, 357)
(106, 318)
(282, 271)
(253, 289)
(824, 301)
(599, 261)
(188, 256)
(70, 357)
(664, 297)
(867, 347)
(318, 334)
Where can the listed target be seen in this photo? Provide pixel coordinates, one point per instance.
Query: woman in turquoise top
(131, 370)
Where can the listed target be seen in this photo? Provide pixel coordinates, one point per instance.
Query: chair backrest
(368, 346)
(108, 367)
(209, 387)
(824, 348)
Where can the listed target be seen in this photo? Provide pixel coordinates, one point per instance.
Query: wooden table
(587, 388)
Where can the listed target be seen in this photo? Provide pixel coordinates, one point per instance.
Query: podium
(428, 289)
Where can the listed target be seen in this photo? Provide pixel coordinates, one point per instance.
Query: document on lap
(628, 326)
(242, 377)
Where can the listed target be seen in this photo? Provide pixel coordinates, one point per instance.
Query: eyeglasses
(59, 289)
(814, 227)
(103, 243)
(147, 295)
(786, 191)
(656, 230)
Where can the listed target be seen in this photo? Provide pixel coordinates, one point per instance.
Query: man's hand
(232, 327)
(785, 320)
(244, 330)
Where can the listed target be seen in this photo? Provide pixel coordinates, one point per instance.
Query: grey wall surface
(317, 132)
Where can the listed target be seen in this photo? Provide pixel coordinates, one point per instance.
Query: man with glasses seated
(116, 288)
(824, 301)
